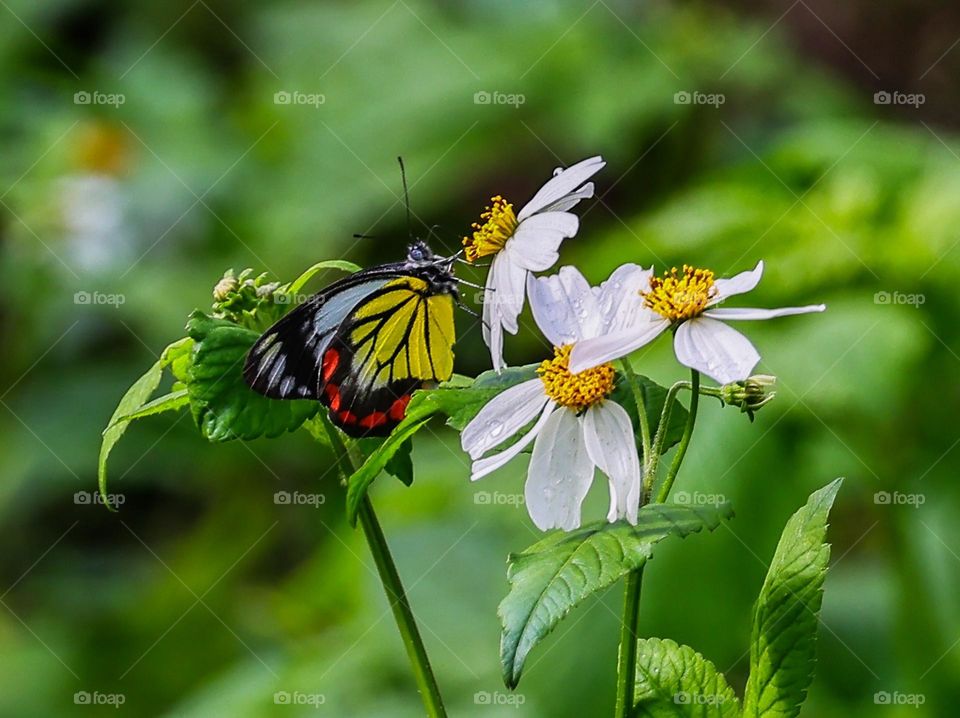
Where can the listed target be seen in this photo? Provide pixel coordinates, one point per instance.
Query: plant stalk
(393, 587)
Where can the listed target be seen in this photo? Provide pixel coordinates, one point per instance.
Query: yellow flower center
(577, 391)
(680, 295)
(497, 224)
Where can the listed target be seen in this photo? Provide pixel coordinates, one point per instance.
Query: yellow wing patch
(404, 332)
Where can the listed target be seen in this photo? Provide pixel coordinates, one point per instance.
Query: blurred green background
(146, 149)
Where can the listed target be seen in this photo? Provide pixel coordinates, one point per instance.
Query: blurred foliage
(204, 596)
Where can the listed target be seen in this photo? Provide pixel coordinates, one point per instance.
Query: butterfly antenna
(406, 196)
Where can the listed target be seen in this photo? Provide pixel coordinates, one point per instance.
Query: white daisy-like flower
(686, 300)
(576, 427)
(525, 242)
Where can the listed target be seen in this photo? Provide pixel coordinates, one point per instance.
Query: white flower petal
(737, 314)
(713, 348)
(562, 184)
(570, 200)
(591, 352)
(560, 473)
(563, 305)
(739, 284)
(491, 325)
(509, 285)
(482, 467)
(610, 442)
(536, 241)
(621, 305)
(502, 417)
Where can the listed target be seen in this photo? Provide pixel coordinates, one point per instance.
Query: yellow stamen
(577, 391)
(680, 295)
(499, 224)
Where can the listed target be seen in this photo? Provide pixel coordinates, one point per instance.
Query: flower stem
(406, 623)
(627, 654)
(393, 587)
(685, 440)
(641, 410)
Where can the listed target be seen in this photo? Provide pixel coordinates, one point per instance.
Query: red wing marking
(331, 359)
(399, 407)
(374, 419)
(333, 396)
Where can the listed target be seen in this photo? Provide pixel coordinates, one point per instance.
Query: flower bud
(247, 300)
(749, 394)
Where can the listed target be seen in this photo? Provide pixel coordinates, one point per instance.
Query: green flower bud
(253, 302)
(749, 394)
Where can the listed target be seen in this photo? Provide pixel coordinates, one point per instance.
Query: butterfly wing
(286, 362)
(395, 340)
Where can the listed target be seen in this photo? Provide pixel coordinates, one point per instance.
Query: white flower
(686, 300)
(576, 428)
(523, 243)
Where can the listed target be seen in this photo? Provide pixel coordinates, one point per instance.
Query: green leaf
(168, 402)
(457, 401)
(223, 406)
(130, 406)
(401, 463)
(675, 681)
(554, 575)
(654, 397)
(297, 284)
(786, 615)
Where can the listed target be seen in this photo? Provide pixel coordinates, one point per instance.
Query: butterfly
(364, 344)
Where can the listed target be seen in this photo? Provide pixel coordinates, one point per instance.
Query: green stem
(685, 440)
(641, 410)
(406, 623)
(393, 587)
(627, 655)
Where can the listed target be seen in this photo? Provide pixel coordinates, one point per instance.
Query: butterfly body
(364, 344)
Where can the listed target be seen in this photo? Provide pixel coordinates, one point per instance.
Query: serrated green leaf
(223, 406)
(675, 681)
(401, 463)
(654, 397)
(459, 403)
(554, 575)
(786, 615)
(132, 401)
